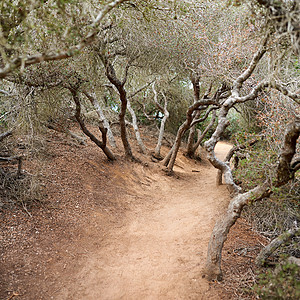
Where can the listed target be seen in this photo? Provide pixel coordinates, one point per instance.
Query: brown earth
(119, 231)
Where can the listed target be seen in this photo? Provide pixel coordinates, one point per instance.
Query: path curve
(160, 249)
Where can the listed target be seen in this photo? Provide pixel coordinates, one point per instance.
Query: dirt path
(160, 249)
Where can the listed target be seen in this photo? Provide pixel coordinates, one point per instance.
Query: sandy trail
(159, 251)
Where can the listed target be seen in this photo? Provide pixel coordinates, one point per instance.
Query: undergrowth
(19, 189)
(271, 217)
(281, 283)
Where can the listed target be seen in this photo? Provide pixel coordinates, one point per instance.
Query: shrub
(281, 283)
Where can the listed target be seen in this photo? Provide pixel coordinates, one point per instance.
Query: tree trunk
(103, 130)
(161, 135)
(124, 137)
(136, 128)
(184, 127)
(112, 77)
(102, 118)
(192, 149)
(219, 178)
(276, 243)
(212, 268)
(196, 89)
(190, 152)
(210, 145)
(166, 160)
(165, 111)
(181, 131)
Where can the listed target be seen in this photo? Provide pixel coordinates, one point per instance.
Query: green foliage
(180, 98)
(281, 283)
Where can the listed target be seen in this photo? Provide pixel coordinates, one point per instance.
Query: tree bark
(166, 114)
(103, 130)
(284, 170)
(102, 118)
(190, 142)
(218, 237)
(227, 159)
(112, 77)
(142, 147)
(181, 131)
(210, 145)
(275, 244)
(196, 89)
(166, 160)
(193, 148)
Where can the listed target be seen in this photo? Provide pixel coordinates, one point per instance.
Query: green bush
(281, 283)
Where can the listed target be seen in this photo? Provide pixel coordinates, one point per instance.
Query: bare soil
(119, 230)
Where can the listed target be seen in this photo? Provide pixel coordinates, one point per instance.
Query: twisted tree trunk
(102, 118)
(100, 144)
(192, 148)
(169, 160)
(212, 268)
(196, 89)
(112, 77)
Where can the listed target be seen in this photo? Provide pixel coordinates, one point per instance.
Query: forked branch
(100, 144)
